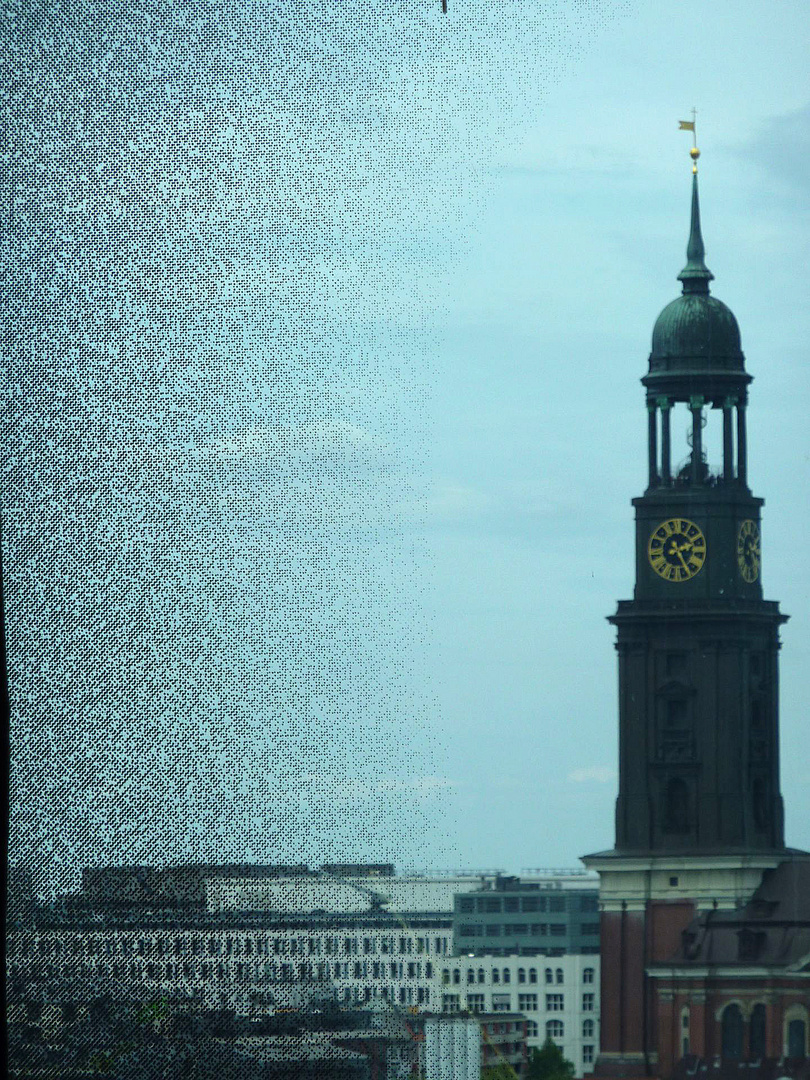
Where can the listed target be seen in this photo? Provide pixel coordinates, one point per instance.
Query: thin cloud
(600, 774)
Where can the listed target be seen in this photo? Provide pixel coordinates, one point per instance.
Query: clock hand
(678, 551)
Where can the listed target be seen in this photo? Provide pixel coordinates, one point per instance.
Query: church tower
(699, 813)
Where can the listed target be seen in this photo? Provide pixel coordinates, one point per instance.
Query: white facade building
(559, 996)
(257, 946)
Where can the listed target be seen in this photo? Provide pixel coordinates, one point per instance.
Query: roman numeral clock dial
(677, 549)
(748, 551)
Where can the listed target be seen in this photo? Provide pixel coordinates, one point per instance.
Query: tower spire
(695, 275)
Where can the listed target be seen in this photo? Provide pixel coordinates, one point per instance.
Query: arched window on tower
(676, 806)
(732, 1031)
(757, 1041)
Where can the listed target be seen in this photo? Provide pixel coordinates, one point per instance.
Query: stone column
(652, 423)
(697, 1025)
(666, 469)
(728, 449)
(696, 405)
(742, 452)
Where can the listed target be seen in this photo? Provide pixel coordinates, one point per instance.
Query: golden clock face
(748, 550)
(677, 549)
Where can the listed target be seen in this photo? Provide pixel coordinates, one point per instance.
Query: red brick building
(738, 986)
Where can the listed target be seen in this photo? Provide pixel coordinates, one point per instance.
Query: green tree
(502, 1071)
(548, 1063)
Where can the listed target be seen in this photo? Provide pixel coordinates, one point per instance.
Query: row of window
(271, 971)
(555, 1029)
(514, 903)
(513, 930)
(405, 995)
(229, 945)
(741, 1039)
(255, 971)
(530, 1003)
(550, 974)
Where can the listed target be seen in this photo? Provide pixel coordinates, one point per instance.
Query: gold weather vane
(689, 125)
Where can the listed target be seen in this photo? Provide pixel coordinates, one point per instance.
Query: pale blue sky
(359, 420)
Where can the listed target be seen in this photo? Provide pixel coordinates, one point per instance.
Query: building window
(475, 1003)
(684, 1031)
(507, 975)
(555, 1029)
(521, 975)
(587, 1002)
(466, 904)
(589, 929)
(529, 903)
(589, 903)
(493, 930)
(559, 974)
(587, 1055)
(470, 930)
(539, 929)
(470, 975)
(490, 903)
(732, 1028)
(501, 1003)
(557, 929)
(481, 975)
(555, 1002)
(556, 903)
(511, 903)
(531, 1029)
(456, 976)
(496, 975)
(587, 975)
(797, 1040)
(795, 1032)
(750, 943)
(549, 975)
(527, 1002)
(587, 1029)
(446, 976)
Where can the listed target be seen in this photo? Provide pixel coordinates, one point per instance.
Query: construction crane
(378, 901)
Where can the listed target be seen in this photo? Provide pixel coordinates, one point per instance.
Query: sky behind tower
(329, 411)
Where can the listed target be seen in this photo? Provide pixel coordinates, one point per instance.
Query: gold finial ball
(694, 153)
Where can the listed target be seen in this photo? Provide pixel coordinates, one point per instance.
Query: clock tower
(699, 814)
